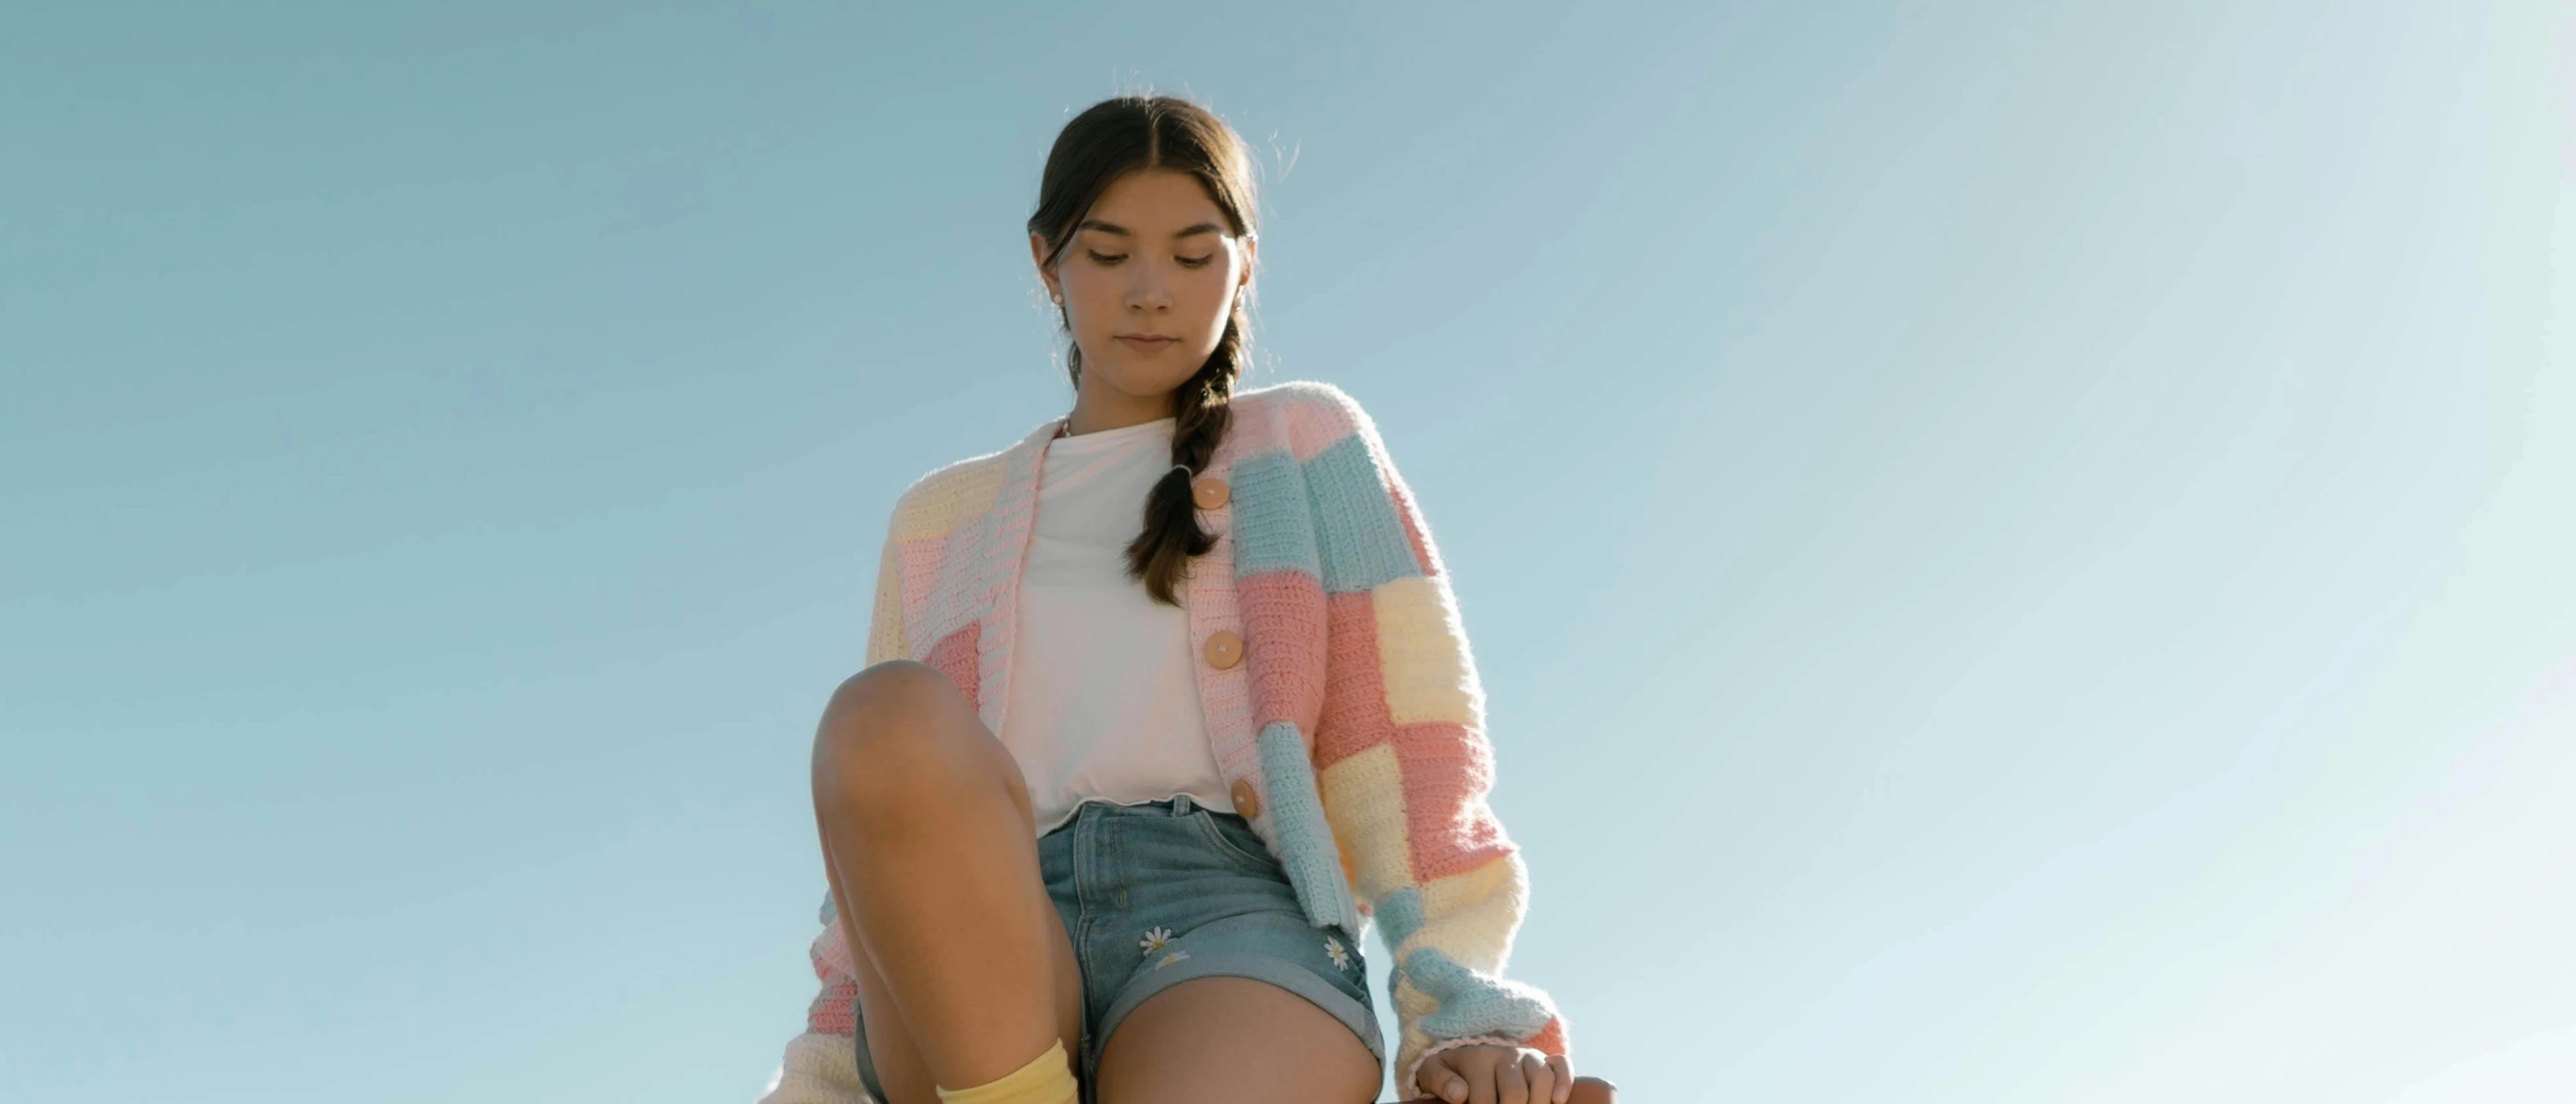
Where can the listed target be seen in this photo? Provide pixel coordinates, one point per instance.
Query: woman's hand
(1487, 1073)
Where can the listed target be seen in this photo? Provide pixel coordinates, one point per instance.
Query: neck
(1096, 410)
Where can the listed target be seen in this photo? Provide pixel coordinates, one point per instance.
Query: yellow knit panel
(946, 499)
(1364, 802)
(1422, 654)
(1471, 916)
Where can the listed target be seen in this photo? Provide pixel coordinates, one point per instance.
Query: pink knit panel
(1550, 1039)
(955, 656)
(1283, 615)
(1314, 427)
(1447, 771)
(1355, 717)
(835, 1010)
(1253, 430)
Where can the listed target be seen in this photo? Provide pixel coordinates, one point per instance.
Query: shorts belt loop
(1181, 805)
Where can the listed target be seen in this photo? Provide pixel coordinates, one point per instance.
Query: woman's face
(1147, 283)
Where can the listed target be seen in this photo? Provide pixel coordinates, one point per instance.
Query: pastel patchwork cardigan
(1355, 714)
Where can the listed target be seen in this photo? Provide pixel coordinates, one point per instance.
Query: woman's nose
(1150, 291)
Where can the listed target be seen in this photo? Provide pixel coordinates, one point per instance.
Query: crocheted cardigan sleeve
(1404, 763)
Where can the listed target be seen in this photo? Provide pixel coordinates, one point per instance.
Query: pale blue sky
(2020, 551)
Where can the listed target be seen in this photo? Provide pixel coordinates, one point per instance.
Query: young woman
(1162, 704)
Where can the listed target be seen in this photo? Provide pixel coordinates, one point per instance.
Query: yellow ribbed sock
(1045, 1080)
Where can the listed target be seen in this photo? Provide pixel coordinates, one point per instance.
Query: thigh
(886, 1053)
(885, 1045)
(1234, 1039)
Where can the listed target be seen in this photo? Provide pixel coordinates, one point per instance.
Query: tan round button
(1247, 804)
(1209, 491)
(1225, 649)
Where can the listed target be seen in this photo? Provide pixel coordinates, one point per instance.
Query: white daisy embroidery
(1156, 938)
(1341, 958)
(1171, 958)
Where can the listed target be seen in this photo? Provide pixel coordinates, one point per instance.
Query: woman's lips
(1150, 344)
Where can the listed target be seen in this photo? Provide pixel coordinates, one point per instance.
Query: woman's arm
(1404, 763)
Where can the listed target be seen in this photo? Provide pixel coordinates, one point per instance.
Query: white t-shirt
(1104, 699)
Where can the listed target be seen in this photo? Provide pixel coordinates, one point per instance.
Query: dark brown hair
(1107, 141)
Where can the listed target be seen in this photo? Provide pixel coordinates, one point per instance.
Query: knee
(886, 731)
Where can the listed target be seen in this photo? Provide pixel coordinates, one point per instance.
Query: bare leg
(1237, 1040)
(965, 971)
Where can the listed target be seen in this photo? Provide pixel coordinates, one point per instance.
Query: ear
(1037, 256)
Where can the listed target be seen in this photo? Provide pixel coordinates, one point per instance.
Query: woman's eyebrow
(1121, 231)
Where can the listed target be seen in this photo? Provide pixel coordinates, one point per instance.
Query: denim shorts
(1157, 893)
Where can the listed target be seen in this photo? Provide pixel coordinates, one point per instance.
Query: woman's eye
(1108, 258)
(1196, 262)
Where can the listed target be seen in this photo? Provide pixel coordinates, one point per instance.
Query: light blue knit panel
(1472, 1003)
(1399, 915)
(1363, 540)
(1272, 526)
(1295, 811)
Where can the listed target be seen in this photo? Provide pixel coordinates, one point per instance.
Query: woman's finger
(1439, 1079)
(1540, 1079)
(1503, 1080)
(1482, 1068)
(1564, 1072)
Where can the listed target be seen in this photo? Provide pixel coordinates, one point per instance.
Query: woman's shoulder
(1317, 413)
(1297, 394)
(938, 500)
